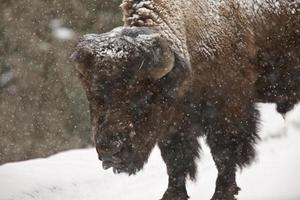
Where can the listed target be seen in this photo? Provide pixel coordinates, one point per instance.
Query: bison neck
(201, 30)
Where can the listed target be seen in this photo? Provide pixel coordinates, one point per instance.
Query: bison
(181, 69)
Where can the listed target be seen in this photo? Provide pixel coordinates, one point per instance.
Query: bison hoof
(173, 194)
(229, 194)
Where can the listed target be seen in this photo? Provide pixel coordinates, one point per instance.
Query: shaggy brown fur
(181, 69)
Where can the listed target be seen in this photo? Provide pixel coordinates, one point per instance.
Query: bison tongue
(106, 165)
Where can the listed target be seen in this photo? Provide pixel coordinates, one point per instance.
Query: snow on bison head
(133, 82)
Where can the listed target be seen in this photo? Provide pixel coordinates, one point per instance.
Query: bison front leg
(231, 139)
(179, 152)
(226, 186)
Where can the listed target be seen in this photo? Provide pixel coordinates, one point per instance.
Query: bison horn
(159, 52)
(167, 61)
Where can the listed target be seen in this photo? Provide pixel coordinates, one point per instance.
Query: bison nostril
(109, 157)
(116, 160)
(109, 154)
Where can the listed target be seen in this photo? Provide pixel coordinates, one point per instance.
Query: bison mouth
(120, 167)
(125, 161)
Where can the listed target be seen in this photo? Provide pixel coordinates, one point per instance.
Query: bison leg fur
(232, 141)
(179, 151)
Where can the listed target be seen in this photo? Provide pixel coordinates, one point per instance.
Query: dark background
(43, 108)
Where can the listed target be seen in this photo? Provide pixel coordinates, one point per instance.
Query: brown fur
(222, 62)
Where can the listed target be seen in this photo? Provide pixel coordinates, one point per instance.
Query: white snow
(78, 175)
(6, 77)
(63, 33)
(60, 32)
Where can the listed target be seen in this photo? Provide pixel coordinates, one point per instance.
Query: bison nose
(109, 158)
(108, 161)
(108, 152)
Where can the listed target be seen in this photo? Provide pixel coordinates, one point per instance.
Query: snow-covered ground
(78, 175)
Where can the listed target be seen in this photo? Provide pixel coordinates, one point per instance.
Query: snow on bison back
(181, 69)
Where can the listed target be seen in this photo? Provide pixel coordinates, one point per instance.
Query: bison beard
(145, 87)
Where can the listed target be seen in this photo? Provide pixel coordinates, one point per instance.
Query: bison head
(133, 81)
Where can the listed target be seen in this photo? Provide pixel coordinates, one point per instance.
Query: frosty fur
(178, 70)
